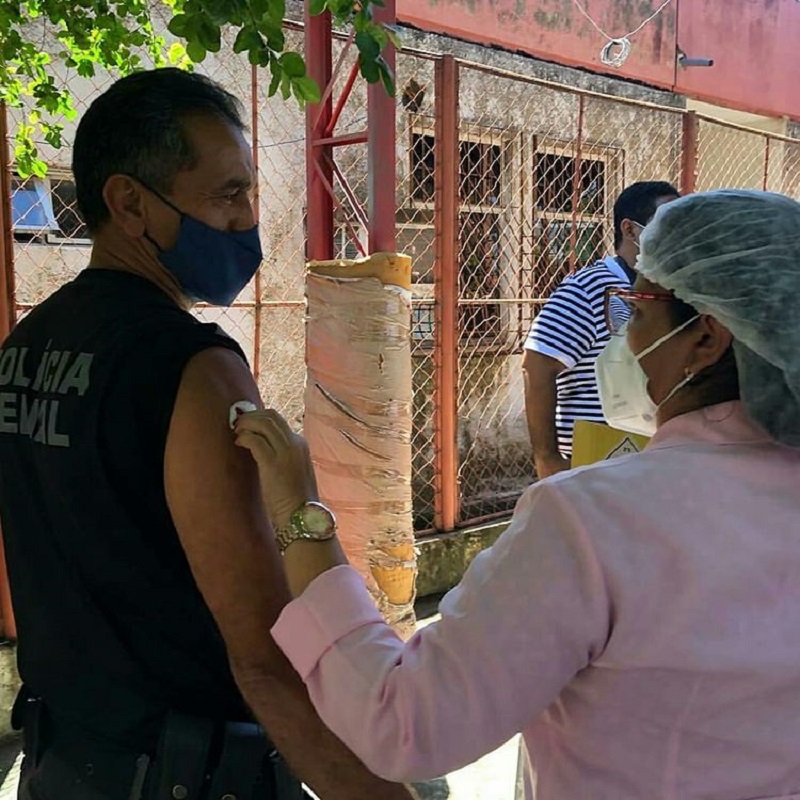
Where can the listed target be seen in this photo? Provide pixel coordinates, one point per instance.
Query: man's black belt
(196, 759)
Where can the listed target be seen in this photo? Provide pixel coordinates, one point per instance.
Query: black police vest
(112, 629)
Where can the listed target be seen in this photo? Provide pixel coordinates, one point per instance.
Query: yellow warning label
(593, 442)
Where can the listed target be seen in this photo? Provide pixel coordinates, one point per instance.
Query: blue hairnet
(735, 255)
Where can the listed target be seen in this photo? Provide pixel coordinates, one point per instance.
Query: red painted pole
(446, 503)
(576, 185)
(8, 626)
(258, 309)
(319, 203)
(381, 110)
(689, 144)
(7, 315)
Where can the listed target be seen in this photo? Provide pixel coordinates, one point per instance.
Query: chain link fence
(540, 168)
(537, 169)
(51, 243)
(736, 157)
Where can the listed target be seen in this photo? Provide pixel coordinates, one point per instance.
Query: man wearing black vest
(138, 550)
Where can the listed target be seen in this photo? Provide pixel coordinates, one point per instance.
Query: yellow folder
(593, 442)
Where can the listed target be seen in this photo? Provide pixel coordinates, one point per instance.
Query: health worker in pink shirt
(639, 621)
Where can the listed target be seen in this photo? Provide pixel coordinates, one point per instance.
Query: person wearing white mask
(570, 331)
(638, 621)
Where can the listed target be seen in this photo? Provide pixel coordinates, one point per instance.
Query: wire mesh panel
(729, 157)
(641, 142)
(350, 177)
(278, 129)
(268, 317)
(416, 236)
(783, 166)
(540, 168)
(51, 243)
(415, 222)
(790, 183)
(500, 255)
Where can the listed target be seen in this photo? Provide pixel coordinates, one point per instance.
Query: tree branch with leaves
(121, 36)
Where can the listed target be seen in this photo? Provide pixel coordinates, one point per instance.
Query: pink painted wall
(756, 51)
(755, 43)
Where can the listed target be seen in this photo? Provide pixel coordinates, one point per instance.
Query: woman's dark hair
(720, 382)
(137, 128)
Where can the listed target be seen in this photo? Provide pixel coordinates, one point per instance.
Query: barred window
(481, 160)
(572, 204)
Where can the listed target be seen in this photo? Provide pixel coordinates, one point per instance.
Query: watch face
(317, 519)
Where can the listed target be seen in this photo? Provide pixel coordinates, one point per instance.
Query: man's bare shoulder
(217, 375)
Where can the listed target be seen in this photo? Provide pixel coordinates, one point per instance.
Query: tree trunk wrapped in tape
(358, 418)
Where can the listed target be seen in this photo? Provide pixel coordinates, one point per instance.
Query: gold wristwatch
(312, 522)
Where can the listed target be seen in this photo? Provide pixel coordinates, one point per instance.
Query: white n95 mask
(622, 384)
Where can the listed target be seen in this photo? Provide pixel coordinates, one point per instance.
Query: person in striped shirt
(570, 332)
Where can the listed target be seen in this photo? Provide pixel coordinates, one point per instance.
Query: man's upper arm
(564, 329)
(535, 364)
(214, 497)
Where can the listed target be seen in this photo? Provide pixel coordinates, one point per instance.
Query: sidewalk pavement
(492, 777)
(10, 758)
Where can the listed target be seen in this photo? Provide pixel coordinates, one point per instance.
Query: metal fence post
(447, 161)
(381, 175)
(319, 168)
(689, 145)
(258, 307)
(7, 314)
(576, 185)
(8, 627)
(767, 148)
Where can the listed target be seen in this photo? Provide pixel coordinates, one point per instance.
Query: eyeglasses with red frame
(619, 306)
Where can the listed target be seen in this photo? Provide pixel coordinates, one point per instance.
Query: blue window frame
(31, 206)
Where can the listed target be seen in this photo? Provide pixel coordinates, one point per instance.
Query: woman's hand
(284, 464)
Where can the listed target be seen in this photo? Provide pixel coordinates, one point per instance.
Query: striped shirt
(571, 328)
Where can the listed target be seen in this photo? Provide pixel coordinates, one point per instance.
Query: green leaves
(85, 36)
(306, 90)
(371, 40)
(293, 65)
(248, 39)
(119, 36)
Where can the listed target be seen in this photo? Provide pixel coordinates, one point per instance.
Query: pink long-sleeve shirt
(639, 622)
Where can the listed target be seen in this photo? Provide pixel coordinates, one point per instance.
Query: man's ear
(629, 229)
(712, 341)
(125, 200)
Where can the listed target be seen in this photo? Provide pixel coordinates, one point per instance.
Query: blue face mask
(210, 264)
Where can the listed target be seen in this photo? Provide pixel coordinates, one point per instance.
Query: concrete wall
(9, 686)
(442, 560)
(753, 42)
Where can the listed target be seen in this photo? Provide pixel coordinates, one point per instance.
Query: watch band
(286, 535)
